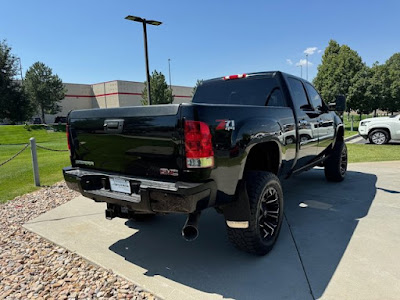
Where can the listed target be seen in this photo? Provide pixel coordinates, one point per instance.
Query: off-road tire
(251, 239)
(378, 137)
(336, 163)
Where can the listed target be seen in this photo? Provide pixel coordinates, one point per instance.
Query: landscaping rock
(32, 267)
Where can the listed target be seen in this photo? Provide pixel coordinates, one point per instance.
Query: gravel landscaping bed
(32, 267)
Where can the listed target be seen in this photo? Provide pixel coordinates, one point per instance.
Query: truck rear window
(253, 90)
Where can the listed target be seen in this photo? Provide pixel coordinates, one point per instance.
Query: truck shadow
(322, 218)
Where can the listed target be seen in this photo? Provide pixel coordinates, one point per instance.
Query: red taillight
(234, 76)
(198, 145)
(67, 131)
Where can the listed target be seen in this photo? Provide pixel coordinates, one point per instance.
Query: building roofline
(183, 86)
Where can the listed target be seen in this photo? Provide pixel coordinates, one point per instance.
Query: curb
(352, 137)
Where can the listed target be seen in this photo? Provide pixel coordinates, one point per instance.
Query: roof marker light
(234, 76)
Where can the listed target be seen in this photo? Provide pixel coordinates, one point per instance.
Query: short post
(352, 120)
(34, 162)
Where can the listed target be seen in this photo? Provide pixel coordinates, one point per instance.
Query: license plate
(120, 185)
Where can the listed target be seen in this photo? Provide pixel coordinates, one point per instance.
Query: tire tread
(248, 239)
(332, 163)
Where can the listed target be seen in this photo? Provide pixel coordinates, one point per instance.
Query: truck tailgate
(128, 140)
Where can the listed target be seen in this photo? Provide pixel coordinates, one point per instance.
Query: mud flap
(237, 213)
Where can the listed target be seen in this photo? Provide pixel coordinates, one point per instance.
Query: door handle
(113, 126)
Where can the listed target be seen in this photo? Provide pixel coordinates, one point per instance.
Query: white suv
(380, 130)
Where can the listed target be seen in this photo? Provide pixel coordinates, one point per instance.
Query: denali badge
(84, 162)
(171, 172)
(225, 125)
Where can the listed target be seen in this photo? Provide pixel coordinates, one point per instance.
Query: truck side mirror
(339, 105)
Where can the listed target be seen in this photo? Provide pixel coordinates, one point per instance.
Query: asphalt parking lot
(338, 241)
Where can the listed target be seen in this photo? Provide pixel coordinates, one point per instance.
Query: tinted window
(276, 98)
(247, 91)
(315, 98)
(298, 93)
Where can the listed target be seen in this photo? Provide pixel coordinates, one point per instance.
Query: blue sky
(89, 41)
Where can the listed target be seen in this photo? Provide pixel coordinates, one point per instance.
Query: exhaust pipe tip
(190, 233)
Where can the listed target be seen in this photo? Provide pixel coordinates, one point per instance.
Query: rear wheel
(266, 212)
(336, 163)
(378, 137)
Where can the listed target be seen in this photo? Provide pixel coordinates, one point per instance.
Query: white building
(108, 94)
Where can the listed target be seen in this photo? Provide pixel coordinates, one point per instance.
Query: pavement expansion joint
(299, 255)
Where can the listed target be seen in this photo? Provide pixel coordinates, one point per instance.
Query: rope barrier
(45, 148)
(15, 155)
(12, 144)
(23, 149)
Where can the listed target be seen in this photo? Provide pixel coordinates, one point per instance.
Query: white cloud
(303, 62)
(310, 50)
(319, 51)
(289, 61)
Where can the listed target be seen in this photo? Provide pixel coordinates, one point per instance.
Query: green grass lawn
(15, 134)
(365, 153)
(16, 177)
(348, 133)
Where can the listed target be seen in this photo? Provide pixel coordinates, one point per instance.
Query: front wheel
(336, 163)
(266, 213)
(378, 137)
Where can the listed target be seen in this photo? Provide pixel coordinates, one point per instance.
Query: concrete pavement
(338, 241)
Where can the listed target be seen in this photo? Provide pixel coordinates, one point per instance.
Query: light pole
(20, 69)
(307, 66)
(105, 94)
(301, 70)
(144, 22)
(169, 70)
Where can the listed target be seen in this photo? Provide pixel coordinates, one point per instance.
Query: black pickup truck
(228, 149)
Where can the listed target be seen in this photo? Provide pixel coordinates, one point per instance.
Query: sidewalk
(342, 242)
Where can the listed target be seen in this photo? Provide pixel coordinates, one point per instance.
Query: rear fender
(256, 131)
(253, 143)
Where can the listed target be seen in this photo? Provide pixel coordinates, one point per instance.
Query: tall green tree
(14, 104)
(392, 102)
(160, 91)
(369, 89)
(339, 66)
(359, 97)
(44, 89)
(378, 89)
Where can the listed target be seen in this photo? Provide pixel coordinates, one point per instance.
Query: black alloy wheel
(269, 209)
(343, 162)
